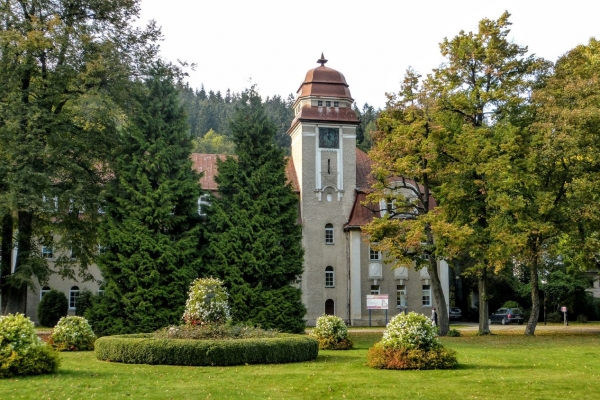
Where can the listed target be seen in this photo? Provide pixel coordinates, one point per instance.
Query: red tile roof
(207, 164)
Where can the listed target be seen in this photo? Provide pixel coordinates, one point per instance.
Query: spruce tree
(255, 239)
(151, 230)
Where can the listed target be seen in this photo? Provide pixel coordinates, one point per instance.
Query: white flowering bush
(17, 332)
(22, 352)
(207, 303)
(332, 333)
(410, 331)
(73, 334)
(409, 342)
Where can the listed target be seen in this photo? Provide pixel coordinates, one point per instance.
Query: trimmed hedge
(144, 349)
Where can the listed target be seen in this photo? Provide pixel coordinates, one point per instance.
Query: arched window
(73, 295)
(43, 291)
(329, 234)
(329, 278)
(329, 307)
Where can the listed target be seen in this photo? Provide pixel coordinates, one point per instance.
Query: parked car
(455, 313)
(506, 316)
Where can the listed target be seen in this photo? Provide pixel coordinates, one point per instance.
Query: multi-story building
(332, 177)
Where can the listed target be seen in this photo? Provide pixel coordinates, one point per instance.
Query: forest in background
(209, 113)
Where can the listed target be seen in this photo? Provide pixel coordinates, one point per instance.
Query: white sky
(273, 43)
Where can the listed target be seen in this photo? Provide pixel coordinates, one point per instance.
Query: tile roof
(207, 163)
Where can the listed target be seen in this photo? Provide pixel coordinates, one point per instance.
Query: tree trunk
(484, 326)
(438, 295)
(5, 262)
(17, 292)
(535, 298)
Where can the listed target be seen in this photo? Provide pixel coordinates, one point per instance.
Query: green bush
(54, 306)
(402, 358)
(454, 333)
(410, 331)
(332, 333)
(409, 342)
(511, 304)
(144, 349)
(207, 303)
(555, 317)
(72, 334)
(85, 301)
(213, 331)
(21, 350)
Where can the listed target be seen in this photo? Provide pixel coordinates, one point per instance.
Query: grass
(496, 366)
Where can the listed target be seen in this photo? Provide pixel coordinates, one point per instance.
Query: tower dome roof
(324, 82)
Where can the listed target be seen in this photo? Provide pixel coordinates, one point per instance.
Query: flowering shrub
(409, 342)
(21, 351)
(332, 334)
(72, 334)
(17, 333)
(410, 331)
(207, 303)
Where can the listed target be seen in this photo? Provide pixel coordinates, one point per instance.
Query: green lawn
(498, 366)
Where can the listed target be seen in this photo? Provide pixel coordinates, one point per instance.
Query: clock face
(329, 138)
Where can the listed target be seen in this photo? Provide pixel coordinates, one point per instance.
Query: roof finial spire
(322, 60)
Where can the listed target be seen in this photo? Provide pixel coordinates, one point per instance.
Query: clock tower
(323, 135)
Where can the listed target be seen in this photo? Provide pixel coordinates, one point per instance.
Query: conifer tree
(150, 231)
(255, 239)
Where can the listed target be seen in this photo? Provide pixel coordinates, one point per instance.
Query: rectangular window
(328, 234)
(329, 279)
(375, 289)
(327, 104)
(426, 295)
(320, 103)
(401, 295)
(73, 295)
(47, 252)
(336, 103)
(374, 255)
(203, 204)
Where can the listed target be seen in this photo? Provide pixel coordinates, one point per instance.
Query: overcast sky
(273, 43)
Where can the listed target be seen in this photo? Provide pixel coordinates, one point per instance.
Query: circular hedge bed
(147, 349)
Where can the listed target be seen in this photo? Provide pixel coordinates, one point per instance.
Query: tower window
(329, 234)
(329, 166)
(329, 277)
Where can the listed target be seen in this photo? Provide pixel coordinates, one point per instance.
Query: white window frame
(426, 295)
(73, 296)
(375, 289)
(329, 277)
(374, 255)
(329, 237)
(48, 252)
(43, 291)
(400, 290)
(203, 204)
